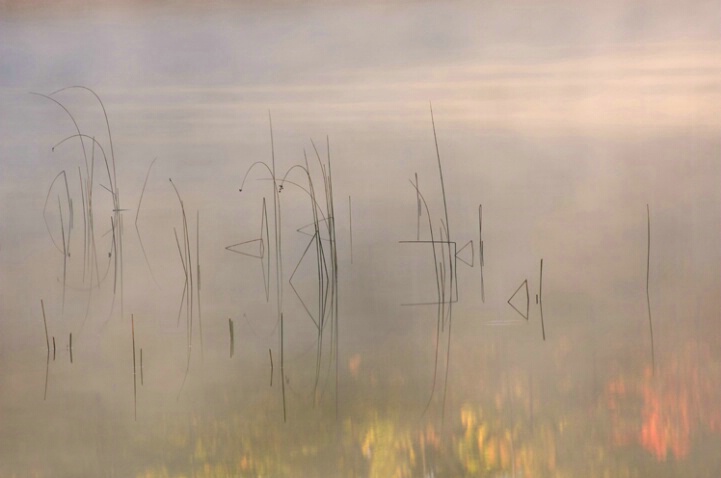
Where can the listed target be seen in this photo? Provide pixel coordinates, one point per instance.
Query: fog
(392, 239)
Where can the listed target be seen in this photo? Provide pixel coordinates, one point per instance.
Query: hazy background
(563, 119)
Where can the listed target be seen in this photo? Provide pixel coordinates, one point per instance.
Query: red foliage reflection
(663, 411)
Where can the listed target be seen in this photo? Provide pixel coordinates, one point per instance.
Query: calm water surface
(470, 291)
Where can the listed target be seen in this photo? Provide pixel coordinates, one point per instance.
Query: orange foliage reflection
(663, 411)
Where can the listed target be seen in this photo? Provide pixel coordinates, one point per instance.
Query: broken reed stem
(45, 323)
(232, 337)
(71, 347)
(270, 352)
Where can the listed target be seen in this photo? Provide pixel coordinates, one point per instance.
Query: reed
(439, 293)
(540, 301)
(191, 285)
(450, 265)
(47, 343)
(277, 238)
(444, 260)
(137, 215)
(648, 297)
(135, 382)
(197, 282)
(65, 255)
(232, 337)
(480, 250)
(45, 324)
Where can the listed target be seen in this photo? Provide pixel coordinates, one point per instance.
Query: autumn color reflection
(666, 415)
(664, 412)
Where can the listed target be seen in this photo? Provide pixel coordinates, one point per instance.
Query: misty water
(413, 239)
